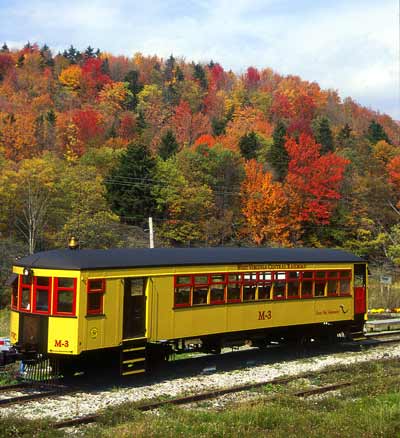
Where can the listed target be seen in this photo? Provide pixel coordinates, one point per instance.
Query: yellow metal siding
(63, 335)
(14, 326)
(101, 331)
(169, 323)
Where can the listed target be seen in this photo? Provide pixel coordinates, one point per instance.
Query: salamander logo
(343, 309)
(262, 315)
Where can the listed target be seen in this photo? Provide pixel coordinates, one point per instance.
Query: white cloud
(349, 45)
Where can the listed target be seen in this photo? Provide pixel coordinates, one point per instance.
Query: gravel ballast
(90, 402)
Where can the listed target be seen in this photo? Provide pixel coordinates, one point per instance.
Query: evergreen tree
(278, 155)
(89, 53)
(376, 133)
(169, 146)
(249, 145)
(200, 75)
(134, 86)
(105, 67)
(169, 68)
(73, 55)
(129, 185)
(323, 134)
(4, 48)
(345, 136)
(218, 126)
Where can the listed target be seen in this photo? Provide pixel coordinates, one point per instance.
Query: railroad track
(25, 392)
(92, 418)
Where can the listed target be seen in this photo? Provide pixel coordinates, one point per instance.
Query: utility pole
(151, 232)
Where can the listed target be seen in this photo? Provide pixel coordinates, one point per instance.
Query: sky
(348, 45)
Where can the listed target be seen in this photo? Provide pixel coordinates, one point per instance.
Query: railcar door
(134, 319)
(360, 283)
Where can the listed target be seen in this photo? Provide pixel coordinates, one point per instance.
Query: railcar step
(133, 356)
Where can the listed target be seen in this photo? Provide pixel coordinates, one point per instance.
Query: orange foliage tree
(394, 176)
(264, 205)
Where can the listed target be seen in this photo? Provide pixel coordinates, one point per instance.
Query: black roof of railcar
(86, 259)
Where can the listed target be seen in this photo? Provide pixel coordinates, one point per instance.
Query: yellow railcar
(135, 306)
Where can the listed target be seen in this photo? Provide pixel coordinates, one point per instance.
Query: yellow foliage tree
(71, 77)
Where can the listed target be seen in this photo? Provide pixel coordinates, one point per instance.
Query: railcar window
(264, 285)
(233, 288)
(41, 294)
(95, 293)
(217, 294)
(64, 296)
(200, 295)
(14, 295)
(25, 293)
(249, 292)
(183, 280)
(26, 298)
(279, 288)
(201, 279)
(333, 287)
(319, 290)
(293, 289)
(182, 296)
(307, 288)
(308, 274)
(345, 281)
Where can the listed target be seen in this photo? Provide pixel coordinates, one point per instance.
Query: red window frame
(252, 282)
(186, 285)
(307, 280)
(58, 289)
(22, 285)
(292, 280)
(211, 283)
(264, 283)
(330, 277)
(15, 294)
(345, 275)
(238, 282)
(280, 280)
(37, 287)
(100, 292)
(200, 285)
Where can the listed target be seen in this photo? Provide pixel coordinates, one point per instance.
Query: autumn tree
(314, 180)
(263, 207)
(185, 207)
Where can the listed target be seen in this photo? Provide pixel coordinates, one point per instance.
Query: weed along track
(208, 396)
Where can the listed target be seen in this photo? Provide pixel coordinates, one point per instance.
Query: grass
(370, 409)
(4, 322)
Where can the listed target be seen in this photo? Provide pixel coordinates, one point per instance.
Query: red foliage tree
(188, 126)
(313, 181)
(89, 123)
(252, 77)
(93, 77)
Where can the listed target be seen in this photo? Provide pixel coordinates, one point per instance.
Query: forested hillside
(91, 144)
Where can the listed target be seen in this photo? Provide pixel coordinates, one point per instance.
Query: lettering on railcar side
(264, 314)
(59, 343)
(269, 266)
